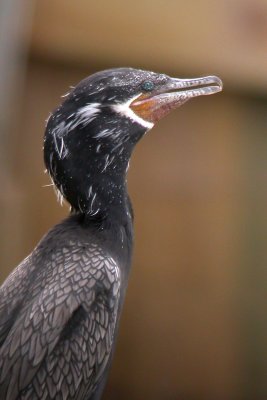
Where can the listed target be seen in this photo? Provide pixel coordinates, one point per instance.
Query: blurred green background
(195, 320)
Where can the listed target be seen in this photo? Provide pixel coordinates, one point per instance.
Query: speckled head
(90, 137)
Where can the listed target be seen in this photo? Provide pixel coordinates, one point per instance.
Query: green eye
(147, 86)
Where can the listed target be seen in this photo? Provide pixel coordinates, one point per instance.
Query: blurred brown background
(195, 321)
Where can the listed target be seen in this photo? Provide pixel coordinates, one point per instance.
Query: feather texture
(57, 321)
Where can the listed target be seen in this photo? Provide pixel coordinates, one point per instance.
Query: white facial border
(125, 110)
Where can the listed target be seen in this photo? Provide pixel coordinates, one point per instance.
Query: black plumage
(59, 309)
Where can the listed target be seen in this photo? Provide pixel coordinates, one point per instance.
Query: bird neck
(104, 197)
(93, 181)
(88, 162)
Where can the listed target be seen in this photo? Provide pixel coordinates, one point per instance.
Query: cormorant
(60, 308)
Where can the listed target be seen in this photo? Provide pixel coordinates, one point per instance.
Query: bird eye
(147, 86)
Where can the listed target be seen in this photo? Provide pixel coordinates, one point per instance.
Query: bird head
(90, 136)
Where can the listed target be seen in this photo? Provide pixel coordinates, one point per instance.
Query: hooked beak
(158, 103)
